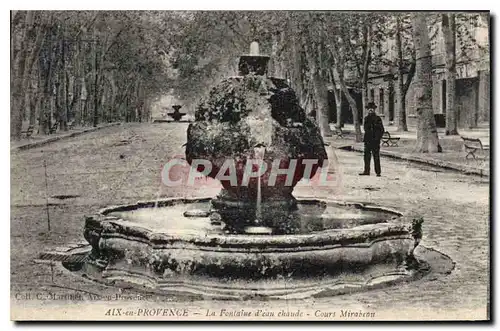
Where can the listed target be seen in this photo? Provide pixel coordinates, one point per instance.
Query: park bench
(473, 146)
(338, 132)
(387, 140)
(53, 129)
(28, 132)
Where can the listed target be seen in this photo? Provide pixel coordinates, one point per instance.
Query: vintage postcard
(250, 165)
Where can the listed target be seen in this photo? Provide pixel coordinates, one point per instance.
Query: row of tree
(84, 67)
(318, 51)
(91, 67)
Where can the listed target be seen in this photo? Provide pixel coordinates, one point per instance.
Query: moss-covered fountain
(255, 239)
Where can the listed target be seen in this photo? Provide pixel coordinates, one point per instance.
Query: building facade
(472, 83)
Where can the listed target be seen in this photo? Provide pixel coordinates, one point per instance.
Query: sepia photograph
(236, 165)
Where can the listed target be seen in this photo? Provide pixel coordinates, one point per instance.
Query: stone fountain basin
(161, 242)
(337, 248)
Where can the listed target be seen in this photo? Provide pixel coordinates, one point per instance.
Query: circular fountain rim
(300, 200)
(430, 261)
(362, 235)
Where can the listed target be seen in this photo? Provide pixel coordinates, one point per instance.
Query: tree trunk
(147, 110)
(427, 137)
(61, 90)
(96, 81)
(66, 99)
(367, 50)
(320, 86)
(401, 104)
(338, 100)
(17, 101)
(15, 132)
(13, 40)
(85, 99)
(276, 69)
(364, 101)
(400, 95)
(33, 101)
(320, 90)
(44, 122)
(54, 101)
(296, 60)
(338, 68)
(57, 98)
(64, 88)
(449, 33)
(78, 85)
(85, 111)
(48, 63)
(40, 97)
(112, 102)
(352, 104)
(18, 79)
(137, 103)
(34, 95)
(338, 105)
(321, 93)
(96, 92)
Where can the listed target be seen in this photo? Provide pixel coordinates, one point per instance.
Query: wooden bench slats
(29, 131)
(389, 141)
(474, 145)
(53, 129)
(338, 132)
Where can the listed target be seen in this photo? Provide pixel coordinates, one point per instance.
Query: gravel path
(123, 164)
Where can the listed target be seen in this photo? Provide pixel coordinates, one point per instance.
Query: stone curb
(64, 136)
(468, 170)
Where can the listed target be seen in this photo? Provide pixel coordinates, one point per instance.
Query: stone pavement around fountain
(122, 164)
(453, 156)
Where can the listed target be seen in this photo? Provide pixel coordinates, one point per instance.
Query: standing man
(374, 130)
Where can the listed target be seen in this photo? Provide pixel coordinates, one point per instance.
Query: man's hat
(371, 105)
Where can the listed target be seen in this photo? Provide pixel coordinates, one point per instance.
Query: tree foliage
(90, 67)
(85, 67)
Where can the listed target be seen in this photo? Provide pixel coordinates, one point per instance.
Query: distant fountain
(176, 115)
